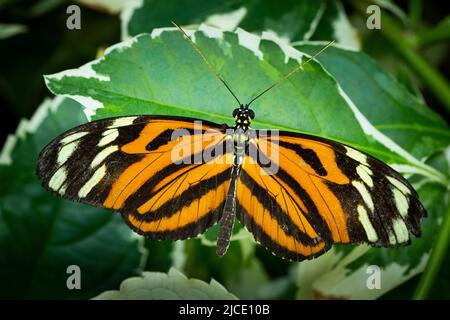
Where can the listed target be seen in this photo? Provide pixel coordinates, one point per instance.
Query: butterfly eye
(251, 113)
(235, 112)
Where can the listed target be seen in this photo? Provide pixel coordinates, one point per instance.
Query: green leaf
(171, 286)
(41, 235)
(291, 19)
(162, 74)
(391, 108)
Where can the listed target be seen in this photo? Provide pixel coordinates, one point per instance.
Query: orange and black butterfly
(297, 194)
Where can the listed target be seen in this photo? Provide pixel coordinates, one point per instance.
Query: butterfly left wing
(318, 192)
(150, 168)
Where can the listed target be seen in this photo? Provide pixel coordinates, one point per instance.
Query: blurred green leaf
(171, 286)
(41, 235)
(26, 57)
(9, 30)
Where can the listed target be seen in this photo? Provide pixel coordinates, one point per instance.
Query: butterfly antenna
(206, 61)
(292, 72)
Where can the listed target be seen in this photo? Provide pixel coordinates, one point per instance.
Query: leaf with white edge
(162, 74)
(171, 286)
(42, 235)
(391, 108)
(339, 283)
(291, 20)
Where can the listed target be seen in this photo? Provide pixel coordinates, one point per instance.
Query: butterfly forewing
(151, 169)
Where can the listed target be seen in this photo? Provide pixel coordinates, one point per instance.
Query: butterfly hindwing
(322, 192)
(161, 184)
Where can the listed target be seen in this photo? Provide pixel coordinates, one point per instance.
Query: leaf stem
(430, 76)
(440, 33)
(415, 12)
(438, 253)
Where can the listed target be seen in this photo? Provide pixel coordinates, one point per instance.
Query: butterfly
(174, 177)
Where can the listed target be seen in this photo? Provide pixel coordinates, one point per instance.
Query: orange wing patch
(275, 223)
(190, 191)
(305, 179)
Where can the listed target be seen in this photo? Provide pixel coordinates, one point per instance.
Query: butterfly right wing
(322, 192)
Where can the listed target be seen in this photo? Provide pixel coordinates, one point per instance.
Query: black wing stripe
(268, 243)
(275, 211)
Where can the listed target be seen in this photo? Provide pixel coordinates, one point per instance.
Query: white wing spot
(102, 155)
(392, 239)
(73, 137)
(62, 190)
(356, 155)
(66, 151)
(92, 182)
(365, 174)
(108, 137)
(365, 194)
(401, 231)
(57, 179)
(122, 122)
(401, 202)
(399, 185)
(363, 217)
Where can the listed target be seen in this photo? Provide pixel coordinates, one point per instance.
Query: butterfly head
(243, 116)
